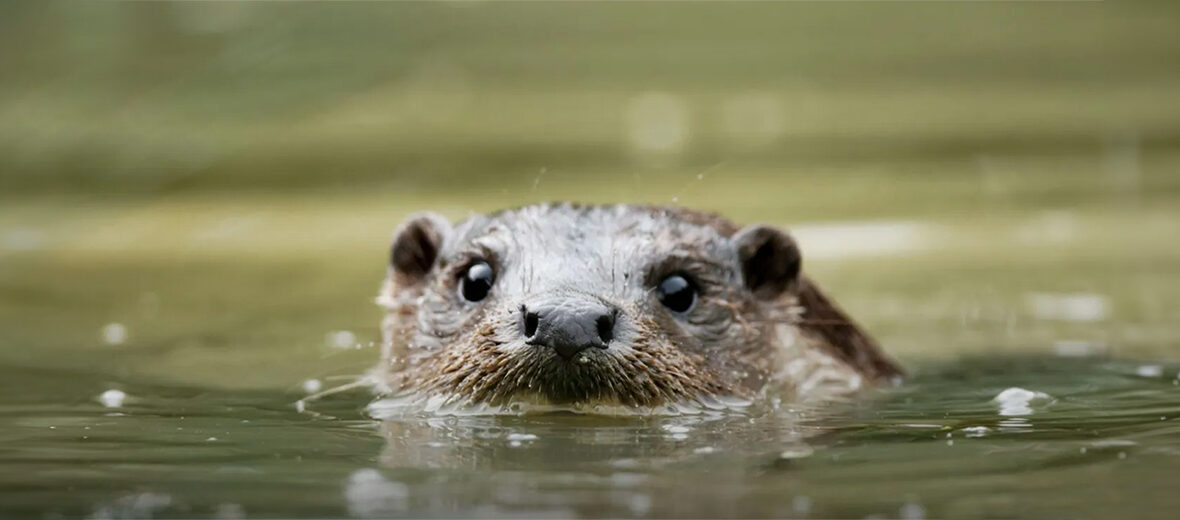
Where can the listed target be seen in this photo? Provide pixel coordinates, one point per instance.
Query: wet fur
(731, 344)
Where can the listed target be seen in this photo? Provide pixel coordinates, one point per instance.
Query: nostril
(606, 327)
(531, 319)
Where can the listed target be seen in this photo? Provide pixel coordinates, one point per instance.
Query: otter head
(615, 305)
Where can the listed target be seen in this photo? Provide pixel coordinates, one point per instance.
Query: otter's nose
(569, 326)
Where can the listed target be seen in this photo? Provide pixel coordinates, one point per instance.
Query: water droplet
(1017, 401)
(312, 386)
(114, 334)
(976, 431)
(112, 398)
(341, 339)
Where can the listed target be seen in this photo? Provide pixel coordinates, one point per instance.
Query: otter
(629, 306)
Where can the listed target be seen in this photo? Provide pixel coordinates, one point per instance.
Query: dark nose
(568, 326)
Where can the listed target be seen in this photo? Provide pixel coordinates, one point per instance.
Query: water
(151, 362)
(1106, 443)
(196, 200)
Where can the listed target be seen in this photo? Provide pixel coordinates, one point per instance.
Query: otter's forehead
(564, 244)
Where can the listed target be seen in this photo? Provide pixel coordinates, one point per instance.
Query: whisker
(301, 405)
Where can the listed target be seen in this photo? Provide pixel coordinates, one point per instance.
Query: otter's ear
(770, 260)
(416, 245)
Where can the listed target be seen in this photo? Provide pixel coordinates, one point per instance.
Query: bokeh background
(203, 192)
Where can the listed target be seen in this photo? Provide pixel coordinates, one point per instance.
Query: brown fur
(731, 344)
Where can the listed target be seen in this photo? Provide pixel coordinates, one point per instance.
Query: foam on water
(976, 431)
(1017, 401)
(312, 386)
(112, 398)
(340, 339)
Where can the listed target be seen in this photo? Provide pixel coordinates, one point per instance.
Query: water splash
(1017, 402)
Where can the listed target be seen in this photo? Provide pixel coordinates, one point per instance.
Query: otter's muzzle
(568, 326)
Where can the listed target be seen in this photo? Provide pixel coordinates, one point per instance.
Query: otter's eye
(477, 282)
(677, 293)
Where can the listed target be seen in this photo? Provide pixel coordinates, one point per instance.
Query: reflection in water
(197, 193)
(544, 441)
(562, 464)
(140, 505)
(369, 494)
(972, 439)
(783, 462)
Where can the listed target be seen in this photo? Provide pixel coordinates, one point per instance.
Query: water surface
(1106, 443)
(196, 200)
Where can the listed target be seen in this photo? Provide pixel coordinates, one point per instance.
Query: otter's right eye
(477, 282)
(677, 293)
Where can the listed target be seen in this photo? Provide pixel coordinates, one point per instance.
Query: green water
(196, 200)
(1106, 445)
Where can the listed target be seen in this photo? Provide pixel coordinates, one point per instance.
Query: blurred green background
(203, 192)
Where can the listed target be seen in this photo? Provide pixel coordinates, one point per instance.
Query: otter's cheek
(628, 334)
(502, 325)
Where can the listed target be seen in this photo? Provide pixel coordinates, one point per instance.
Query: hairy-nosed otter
(616, 305)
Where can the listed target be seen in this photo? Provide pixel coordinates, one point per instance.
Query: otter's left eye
(677, 293)
(477, 282)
